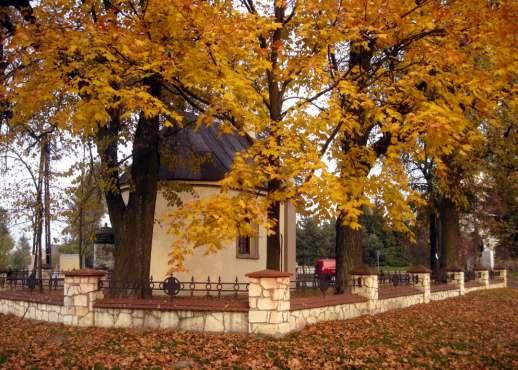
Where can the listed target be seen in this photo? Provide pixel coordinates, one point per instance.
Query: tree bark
(276, 98)
(434, 241)
(80, 236)
(133, 222)
(349, 252)
(450, 232)
(273, 243)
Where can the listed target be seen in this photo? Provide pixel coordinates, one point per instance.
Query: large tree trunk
(135, 232)
(276, 98)
(133, 223)
(273, 242)
(450, 232)
(349, 252)
(434, 241)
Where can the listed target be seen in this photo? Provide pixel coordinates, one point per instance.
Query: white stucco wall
(224, 263)
(68, 262)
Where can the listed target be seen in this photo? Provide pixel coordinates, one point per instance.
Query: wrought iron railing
(441, 277)
(495, 275)
(395, 279)
(471, 275)
(27, 280)
(310, 283)
(171, 286)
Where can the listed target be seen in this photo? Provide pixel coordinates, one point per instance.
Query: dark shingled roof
(203, 154)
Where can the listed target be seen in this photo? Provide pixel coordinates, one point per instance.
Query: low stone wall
(475, 288)
(207, 321)
(444, 294)
(496, 285)
(33, 310)
(268, 309)
(394, 303)
(300, 318)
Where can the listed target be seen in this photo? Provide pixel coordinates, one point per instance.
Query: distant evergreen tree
(314, 240)
(392, 246)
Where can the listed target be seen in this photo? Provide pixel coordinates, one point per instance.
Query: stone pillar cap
(499, 268)
(268, 274)
(480, 268)
(419, 269)
(85, 273)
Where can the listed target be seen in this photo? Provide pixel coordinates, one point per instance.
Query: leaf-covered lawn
(479, 330)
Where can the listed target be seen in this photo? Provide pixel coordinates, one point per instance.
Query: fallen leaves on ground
(479, 330)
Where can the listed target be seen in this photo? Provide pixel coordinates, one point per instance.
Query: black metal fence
(308, 282)
(441, 277)
(496, 275)
(471, 275)
(396, 279)
(27, 280)
(172, 287)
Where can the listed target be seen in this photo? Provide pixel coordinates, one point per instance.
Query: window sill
(244, 257)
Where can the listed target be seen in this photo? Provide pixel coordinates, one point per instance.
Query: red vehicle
(325, 268)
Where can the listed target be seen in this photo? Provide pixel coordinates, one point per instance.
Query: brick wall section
(423, 280)
(205, 321)
(503, 276)
(364, 282)
(40, 311)
(483, 278)
(269, 301)
(80, 293)
(458, 280)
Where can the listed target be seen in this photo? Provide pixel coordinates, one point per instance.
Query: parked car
(325, 268)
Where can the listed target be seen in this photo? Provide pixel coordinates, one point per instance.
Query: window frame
(253, 247)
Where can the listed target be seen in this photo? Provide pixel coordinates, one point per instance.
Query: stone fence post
(364, 282)
(269, 301)
(482, 276)
(503, 273)
(458, 279)
(82, 289)
(423, 280)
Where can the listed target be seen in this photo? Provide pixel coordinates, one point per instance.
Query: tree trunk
(434, 242)
(135, 232)
(46, 199)
(450, 232)
(349, 252)
(80, 236)
(133, 223)
(273, 242)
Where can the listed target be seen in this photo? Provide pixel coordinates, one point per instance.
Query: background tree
(314, 240)
(21, 256)
(84, 208)
(6, 242)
